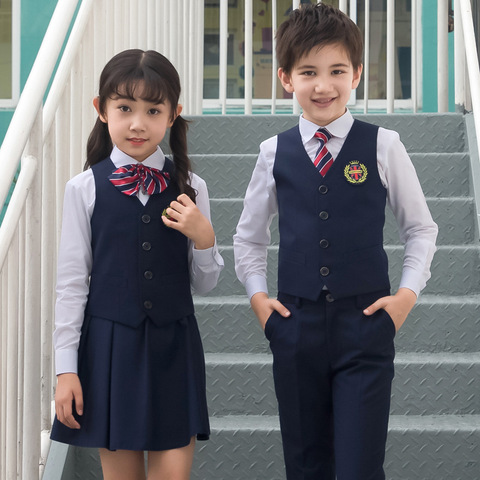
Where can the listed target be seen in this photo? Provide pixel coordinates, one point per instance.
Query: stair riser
(431, 327)
(441, 175)
(455, 220)
(455, 271)
(418, 389)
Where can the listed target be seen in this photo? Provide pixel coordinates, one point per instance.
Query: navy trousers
(333, 369)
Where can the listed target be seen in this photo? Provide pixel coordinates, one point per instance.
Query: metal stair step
(424, 384)
(425, 132)
(440, 174)
(455, 271)
(438, 447)
(437, 323)
(454, 216)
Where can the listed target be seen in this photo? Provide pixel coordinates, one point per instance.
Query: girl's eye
(309, 73)
(154, 111)
(337, 72)
(124, 108)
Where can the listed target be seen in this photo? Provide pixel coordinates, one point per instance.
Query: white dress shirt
(75, 256)
(417, 230)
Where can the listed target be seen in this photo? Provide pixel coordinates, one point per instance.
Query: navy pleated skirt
(143, 388)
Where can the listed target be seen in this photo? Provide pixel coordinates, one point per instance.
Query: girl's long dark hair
(160, 83)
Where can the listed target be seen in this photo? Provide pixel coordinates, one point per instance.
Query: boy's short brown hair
(313, 26)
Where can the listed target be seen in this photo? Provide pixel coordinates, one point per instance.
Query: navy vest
(140, 266)
(331, 228)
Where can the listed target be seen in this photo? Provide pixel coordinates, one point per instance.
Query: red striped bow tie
(130, 178)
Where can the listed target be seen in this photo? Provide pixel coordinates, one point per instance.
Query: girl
(129, 359)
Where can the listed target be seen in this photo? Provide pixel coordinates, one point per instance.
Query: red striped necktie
(323, 158)
(130, 178)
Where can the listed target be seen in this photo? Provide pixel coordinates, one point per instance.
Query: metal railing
(46, 142)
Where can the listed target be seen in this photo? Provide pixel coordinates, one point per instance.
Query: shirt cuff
(66, 361)
(255, 284)
(205, 257)
(410, 280)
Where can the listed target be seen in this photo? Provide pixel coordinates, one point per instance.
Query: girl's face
(136, 126)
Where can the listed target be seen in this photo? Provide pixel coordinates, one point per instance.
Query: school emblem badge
(355, 172)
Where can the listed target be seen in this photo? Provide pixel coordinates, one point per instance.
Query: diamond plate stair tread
(455, 271)
(418, 447)
(440, 174)
(454, 217)
(436, 323)
(424, 384)
(228, 133)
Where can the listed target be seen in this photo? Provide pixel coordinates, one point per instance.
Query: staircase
(435, 412)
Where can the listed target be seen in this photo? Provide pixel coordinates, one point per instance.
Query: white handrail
(33, 92)
(471, 61)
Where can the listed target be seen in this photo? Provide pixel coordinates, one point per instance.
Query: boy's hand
(398, 306)
(69, 392)
(184, 216)
(263, 306)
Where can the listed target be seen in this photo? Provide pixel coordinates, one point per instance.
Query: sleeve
(252, 236)
(73, 271)
(417, 229)
(205, 265)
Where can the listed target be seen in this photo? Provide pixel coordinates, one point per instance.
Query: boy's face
(322, 81)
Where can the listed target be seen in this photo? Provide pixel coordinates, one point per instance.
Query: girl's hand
(68, 393)
(398, 306)
(188, 219)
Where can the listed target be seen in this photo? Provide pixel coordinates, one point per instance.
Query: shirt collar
(338, 128)
(155, 160)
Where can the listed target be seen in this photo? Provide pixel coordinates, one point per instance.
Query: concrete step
(440, 174)
(437, 323)
(428, 132)
(424, 384)
(455, 271)
(437, 447)
(455, 218)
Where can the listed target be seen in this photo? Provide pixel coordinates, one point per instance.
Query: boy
(332, 328)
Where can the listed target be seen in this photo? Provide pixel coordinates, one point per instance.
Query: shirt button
(323, 189)
(148, 304)
(324, 271)
(147, 246)
(148, 275)
(323, 215)
(329, 298)
(324, 243)
(146, 218)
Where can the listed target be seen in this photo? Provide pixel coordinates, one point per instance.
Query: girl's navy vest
(331, 228)
(140, 266)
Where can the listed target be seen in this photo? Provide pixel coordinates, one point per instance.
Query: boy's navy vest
(331, 228)
(140, 266)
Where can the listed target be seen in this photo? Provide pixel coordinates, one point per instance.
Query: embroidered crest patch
(355, 172)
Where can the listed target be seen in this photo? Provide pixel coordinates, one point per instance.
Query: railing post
(248, 56)
(442, 55)
(390, 56)
(223, 55)
(460, 96)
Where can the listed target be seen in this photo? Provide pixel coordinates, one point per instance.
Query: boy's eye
(337, 72)
(308, 73)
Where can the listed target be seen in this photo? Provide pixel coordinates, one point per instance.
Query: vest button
(148, 275)
(323, 189)
(146, 246)
(324, 243)
(323, 215)
(146, 218)
(148, 304)
(324, 271)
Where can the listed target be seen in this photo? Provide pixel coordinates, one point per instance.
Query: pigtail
(99, 144)
(178, 146)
